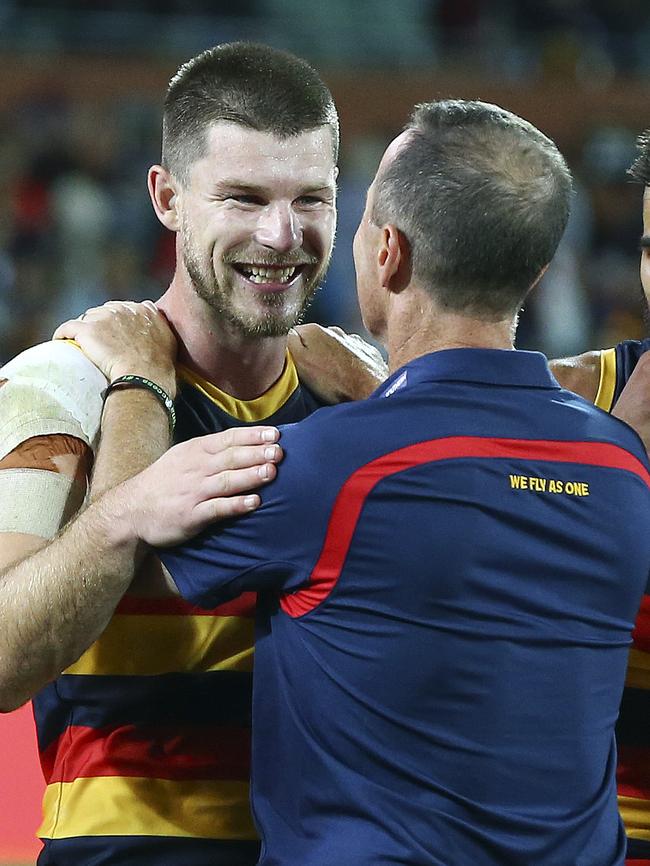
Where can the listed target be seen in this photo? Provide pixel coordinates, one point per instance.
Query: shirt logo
(535, 484)
(397, 384)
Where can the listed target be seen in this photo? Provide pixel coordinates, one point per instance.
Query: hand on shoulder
(336, 366)
(125, 337)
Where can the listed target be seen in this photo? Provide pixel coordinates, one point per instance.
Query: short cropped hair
(253, 85)
(640, 168)
(483, 198)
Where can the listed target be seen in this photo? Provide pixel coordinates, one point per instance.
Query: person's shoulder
(50, 388)
(51, 358)
(599, 375)
(328, 443)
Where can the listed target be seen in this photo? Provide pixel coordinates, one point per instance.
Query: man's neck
(244, 367)
(414, 330)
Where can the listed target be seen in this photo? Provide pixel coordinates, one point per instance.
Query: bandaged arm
(52, 605)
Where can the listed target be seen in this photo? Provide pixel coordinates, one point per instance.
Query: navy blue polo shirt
(448, 575)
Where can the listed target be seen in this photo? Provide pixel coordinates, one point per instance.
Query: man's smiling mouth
(265, 274)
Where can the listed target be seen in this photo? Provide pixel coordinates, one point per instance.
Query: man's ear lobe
(163, 195)
(394, 259)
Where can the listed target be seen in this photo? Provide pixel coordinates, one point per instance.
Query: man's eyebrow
(241, 185)
(644, 243)
(247, 187)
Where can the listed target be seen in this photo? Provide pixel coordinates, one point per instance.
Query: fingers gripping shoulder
(50, 388)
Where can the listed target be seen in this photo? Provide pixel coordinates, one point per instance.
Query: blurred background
(80, 104)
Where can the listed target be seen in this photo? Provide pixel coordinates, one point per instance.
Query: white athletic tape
(52, 388)
(35, 501)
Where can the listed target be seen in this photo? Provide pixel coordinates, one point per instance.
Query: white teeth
(269, 275)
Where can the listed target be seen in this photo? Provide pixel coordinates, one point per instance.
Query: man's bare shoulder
(580, 373)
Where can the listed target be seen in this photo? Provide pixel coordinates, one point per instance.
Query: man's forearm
(56, 602)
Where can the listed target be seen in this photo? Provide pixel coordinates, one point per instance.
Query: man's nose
(279, 228)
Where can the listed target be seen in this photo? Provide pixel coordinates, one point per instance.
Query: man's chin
(263, 328)
(271, 314)
(265, 325)
(272, 320)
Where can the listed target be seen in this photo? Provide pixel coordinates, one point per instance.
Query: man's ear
(163, 195)
(394, 259)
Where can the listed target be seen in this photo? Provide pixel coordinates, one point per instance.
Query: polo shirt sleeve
(272, 548)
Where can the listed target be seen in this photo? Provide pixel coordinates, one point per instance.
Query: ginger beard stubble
(246, 306)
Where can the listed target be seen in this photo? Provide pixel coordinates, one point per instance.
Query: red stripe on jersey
(633, 771)
(637, 863)
(353, 494)
(173, 752)
(641, 633)
(243, 605)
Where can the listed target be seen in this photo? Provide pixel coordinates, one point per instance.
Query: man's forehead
(235, 140)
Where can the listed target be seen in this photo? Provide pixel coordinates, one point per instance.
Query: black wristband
(132, 381)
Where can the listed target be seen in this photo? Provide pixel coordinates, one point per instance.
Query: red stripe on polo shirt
(243, 605)
(355, 491)
(168, 752)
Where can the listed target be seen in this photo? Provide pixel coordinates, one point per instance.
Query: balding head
(483, 198)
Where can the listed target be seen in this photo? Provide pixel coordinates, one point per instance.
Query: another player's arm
(580, 374)
(584, 375)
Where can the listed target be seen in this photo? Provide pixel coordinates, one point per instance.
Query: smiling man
(255, 216)
(144, 737)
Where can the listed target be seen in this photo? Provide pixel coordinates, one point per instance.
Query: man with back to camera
(144, 739)
(444, 627)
